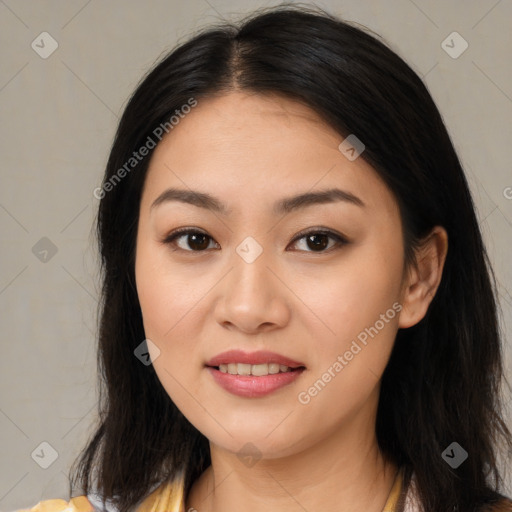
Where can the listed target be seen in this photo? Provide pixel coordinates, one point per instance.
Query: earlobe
(424, 277)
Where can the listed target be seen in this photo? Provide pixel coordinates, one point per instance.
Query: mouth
(253, 375)
(262, 360)
(255, 370)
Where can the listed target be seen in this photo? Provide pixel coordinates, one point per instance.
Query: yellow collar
(395, 494)
(169, 497)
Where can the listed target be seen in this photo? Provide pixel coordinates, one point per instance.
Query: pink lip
(259, 357)
(250, 386)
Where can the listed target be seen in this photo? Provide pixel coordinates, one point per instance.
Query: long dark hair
(442, 382)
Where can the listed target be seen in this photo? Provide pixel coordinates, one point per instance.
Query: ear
(423, 277)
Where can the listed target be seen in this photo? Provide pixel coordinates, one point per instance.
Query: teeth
(273, 368)
(244, 369)
(257, 370)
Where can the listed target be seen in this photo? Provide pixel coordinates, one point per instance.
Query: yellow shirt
(169, 497)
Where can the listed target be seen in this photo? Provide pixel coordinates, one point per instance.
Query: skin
(250, 151)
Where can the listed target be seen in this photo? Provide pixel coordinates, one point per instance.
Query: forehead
(250, 148)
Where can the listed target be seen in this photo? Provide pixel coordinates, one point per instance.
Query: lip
(259, 357)
(249, 386)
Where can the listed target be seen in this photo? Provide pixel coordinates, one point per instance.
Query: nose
(252, 298)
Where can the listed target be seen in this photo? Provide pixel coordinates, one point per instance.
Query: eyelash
(178, 233)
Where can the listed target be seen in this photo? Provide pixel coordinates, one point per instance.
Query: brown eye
(318, 241)
(192, 240)
(189, 240)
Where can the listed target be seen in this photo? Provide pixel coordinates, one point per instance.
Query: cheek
(167, 294)
(167, 300)
(169, 303)
(356, 316)
(353, 293)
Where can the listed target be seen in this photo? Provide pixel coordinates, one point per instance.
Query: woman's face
(261, 272)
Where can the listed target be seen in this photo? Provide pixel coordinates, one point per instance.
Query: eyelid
(321, 231)
(177, 233)
(338, 237)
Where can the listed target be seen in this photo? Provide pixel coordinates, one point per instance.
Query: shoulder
(78, 504)
(166, 496)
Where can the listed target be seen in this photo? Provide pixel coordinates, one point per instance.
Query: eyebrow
(285, 205)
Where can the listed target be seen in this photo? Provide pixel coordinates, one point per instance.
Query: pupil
(318, 244)
(198, 236)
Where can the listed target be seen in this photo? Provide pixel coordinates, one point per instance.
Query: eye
(193, 240)
(196, 241)
(318, 240)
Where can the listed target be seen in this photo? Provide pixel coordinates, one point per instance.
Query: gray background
(58, 120)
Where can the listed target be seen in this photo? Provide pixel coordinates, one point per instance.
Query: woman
(298, 310)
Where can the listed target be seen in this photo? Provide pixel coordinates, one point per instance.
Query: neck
(343, 472)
